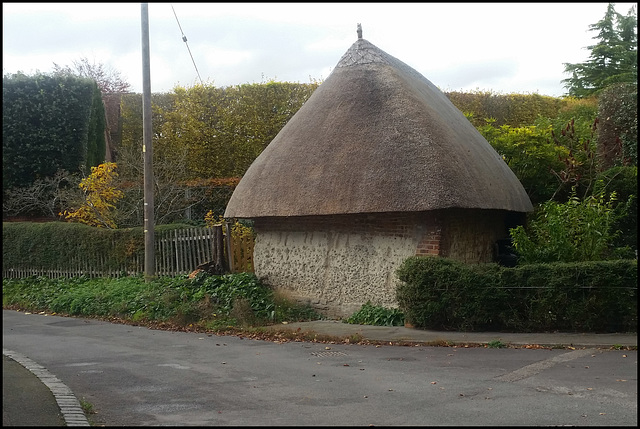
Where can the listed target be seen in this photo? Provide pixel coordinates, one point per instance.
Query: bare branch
(109, 80)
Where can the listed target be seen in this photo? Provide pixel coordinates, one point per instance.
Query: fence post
(177, 249)
(218, 247)
(229, 247)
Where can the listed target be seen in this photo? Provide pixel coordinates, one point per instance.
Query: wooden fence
(177, 252)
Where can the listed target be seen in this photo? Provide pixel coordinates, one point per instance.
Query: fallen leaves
(535, 347)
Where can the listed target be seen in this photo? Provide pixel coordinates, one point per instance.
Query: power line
(184, 39)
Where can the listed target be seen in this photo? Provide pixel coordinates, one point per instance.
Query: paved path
(400, 334)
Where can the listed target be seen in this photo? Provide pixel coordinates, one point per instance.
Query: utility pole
(147, 151)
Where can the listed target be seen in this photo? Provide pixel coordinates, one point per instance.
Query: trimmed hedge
(515, 110)
(49, 122)
(440, 293)
(51, 245)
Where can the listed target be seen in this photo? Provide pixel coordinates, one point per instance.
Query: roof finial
(359, 31)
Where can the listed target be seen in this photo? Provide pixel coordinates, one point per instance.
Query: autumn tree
(99, 196)
(613, 59)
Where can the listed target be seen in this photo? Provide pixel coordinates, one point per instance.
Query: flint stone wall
(338, 263)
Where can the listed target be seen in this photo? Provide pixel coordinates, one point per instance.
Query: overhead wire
(184, 39)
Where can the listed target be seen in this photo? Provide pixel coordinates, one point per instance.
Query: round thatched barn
(378, 165)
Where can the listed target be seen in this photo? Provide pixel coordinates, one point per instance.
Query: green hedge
(50, 245)
(516, 110)
(49, 123)
(440, 293)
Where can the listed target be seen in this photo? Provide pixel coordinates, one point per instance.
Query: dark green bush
(439, 293)
(49, 123)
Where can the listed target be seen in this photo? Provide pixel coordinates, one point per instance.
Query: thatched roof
(376, 136)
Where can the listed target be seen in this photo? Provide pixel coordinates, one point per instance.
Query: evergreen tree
(614, 59)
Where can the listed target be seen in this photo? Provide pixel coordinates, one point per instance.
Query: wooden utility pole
(147, 151)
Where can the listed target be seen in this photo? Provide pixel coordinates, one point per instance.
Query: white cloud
(452, 44)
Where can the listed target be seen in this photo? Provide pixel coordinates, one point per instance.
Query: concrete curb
(411, 335)
(69, 405)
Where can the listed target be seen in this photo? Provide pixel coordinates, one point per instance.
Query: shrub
(370, 314)
(624, 182)
(100, 196)
(439, 293)
(530, 154)
(618, 134)
(207, 300)
(577, 230)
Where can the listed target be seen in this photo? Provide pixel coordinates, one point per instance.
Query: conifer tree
(613, 59)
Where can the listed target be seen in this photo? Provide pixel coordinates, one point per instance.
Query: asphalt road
(137, 376)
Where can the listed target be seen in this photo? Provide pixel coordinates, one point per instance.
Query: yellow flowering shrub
(100, 196)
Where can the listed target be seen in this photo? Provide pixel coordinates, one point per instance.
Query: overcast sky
(499, 47)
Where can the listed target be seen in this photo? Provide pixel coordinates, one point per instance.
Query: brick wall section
(430, 242)
(387, 224)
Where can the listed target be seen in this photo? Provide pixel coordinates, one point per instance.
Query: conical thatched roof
(376, 136)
